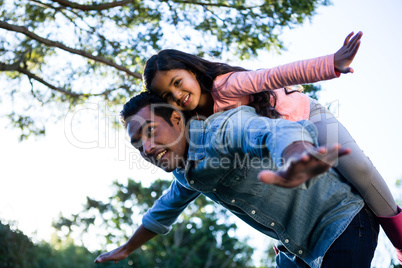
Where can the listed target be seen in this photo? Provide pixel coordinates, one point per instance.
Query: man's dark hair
(142, 100)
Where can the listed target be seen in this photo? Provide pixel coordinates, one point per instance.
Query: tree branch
(40, 80)
(44, 5)
(70, 4)
(9, 67)
(238, 7)
(16, 67)
(25, 31)
(58, 9)
(76, 14)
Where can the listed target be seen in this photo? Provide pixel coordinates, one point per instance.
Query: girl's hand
(345, 55)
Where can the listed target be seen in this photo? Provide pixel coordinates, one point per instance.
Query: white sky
(43, 177)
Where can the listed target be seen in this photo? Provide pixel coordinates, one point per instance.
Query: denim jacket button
(286, 241)
(233, 200)
(191, 182)
(214, 190)
(272, 223)
(300, 252)
(253, 212)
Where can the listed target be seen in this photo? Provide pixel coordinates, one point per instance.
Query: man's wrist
(125, 251)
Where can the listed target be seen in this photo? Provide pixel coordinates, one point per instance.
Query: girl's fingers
(355, 39)
(355, 47)
(347, 38)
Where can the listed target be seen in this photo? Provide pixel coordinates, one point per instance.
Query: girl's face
(178, 87)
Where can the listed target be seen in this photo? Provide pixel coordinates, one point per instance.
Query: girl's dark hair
(205, 72)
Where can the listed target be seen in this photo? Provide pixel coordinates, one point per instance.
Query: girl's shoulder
(292, 105)
(221, 79)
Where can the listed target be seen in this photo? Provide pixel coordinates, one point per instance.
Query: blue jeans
(354, 248)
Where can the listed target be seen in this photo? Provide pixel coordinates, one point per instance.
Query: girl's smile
(186, 100)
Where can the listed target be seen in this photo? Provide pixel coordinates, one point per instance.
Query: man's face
(159, 143)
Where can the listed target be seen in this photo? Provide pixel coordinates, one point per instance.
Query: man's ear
(176, 118)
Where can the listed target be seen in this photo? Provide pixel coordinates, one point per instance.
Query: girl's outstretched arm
(345, 55)
(237, 84)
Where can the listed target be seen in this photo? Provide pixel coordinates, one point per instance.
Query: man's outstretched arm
(302, 161)
(140, 237)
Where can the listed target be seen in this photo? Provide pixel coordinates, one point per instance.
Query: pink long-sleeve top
(234, 89)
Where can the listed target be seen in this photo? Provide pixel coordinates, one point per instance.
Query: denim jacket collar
(196, 150)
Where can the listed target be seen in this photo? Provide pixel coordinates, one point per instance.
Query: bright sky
(42, 177)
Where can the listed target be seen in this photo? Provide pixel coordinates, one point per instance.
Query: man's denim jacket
(226, 153)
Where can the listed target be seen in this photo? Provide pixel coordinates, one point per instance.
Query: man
(233, 158)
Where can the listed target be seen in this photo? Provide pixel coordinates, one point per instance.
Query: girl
(194, 84)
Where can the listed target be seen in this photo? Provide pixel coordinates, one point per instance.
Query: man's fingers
(303, 167)
(337, 151)
(344, 151)
(322, 150)
(269, 177)
(329, 155)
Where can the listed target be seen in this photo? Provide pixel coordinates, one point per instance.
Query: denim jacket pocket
(239, 181)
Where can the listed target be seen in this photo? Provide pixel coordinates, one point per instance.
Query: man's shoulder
(220, 117)
(225, 115)
(241, 109)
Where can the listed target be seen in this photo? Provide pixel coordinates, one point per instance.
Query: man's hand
(141, 236)
(115, 255)
(345, 55)
(303, 161)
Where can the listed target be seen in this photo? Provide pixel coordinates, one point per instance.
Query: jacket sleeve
(244, 132)
(296, 73)
(168, 207)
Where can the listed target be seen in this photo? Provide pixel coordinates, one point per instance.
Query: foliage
(312, 90)
(17, 250)
(268, 260)
(55, 54)
(202, 237)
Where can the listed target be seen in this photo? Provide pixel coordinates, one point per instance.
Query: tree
(202, 236)
(17, 250)
(56, 54)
